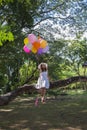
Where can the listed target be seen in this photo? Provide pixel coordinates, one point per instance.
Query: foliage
(26, 71)
(76, 54)
(5, 34)
(49, 19)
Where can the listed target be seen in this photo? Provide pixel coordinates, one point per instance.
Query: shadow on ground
(57, 114)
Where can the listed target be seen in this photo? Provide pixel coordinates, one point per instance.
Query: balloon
(34, 50)
(46, 49)
(32, 38)
(40, 39)
(43, 43)
(36, 44)
(29, 46)
(26, 49)
(26, 41)
(40, 51)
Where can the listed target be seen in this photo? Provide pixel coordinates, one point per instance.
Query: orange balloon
(43, 43)
(34, 50)
(36, 45)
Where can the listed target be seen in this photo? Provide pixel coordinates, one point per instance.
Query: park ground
(65, 112)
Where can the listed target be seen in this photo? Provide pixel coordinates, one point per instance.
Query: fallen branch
(6, 98)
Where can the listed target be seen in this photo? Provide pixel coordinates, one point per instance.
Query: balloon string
(37, 58)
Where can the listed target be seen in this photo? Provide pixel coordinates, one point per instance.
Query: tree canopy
(62, 23)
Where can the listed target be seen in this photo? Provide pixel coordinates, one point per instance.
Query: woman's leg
(38, 96)
(43, 92)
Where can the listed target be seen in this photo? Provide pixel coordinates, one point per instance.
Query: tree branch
(5, 99)
(30, 78)
(50, 17)
(51, 9)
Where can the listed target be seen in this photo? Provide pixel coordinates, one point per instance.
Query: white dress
(43, 80)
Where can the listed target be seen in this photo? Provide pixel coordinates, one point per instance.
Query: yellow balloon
(26, 41)
(34, 50)
(43, 43)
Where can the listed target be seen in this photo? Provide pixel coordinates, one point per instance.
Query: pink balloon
(25, 48)
(32, 38)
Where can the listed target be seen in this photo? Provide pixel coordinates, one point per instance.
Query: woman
(43, 81)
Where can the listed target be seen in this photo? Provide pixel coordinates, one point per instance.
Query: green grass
(67, 112)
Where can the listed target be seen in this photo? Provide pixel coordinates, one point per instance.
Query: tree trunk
(6, 98)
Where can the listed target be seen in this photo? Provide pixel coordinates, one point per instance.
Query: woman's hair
(43, 67)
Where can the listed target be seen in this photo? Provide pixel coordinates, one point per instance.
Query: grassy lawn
(63, 113)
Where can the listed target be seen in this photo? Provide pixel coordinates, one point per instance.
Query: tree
(76, 54)
(5, 34)
(22, 17)
(65, 20)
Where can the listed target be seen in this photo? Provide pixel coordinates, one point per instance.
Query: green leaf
(4, 36)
